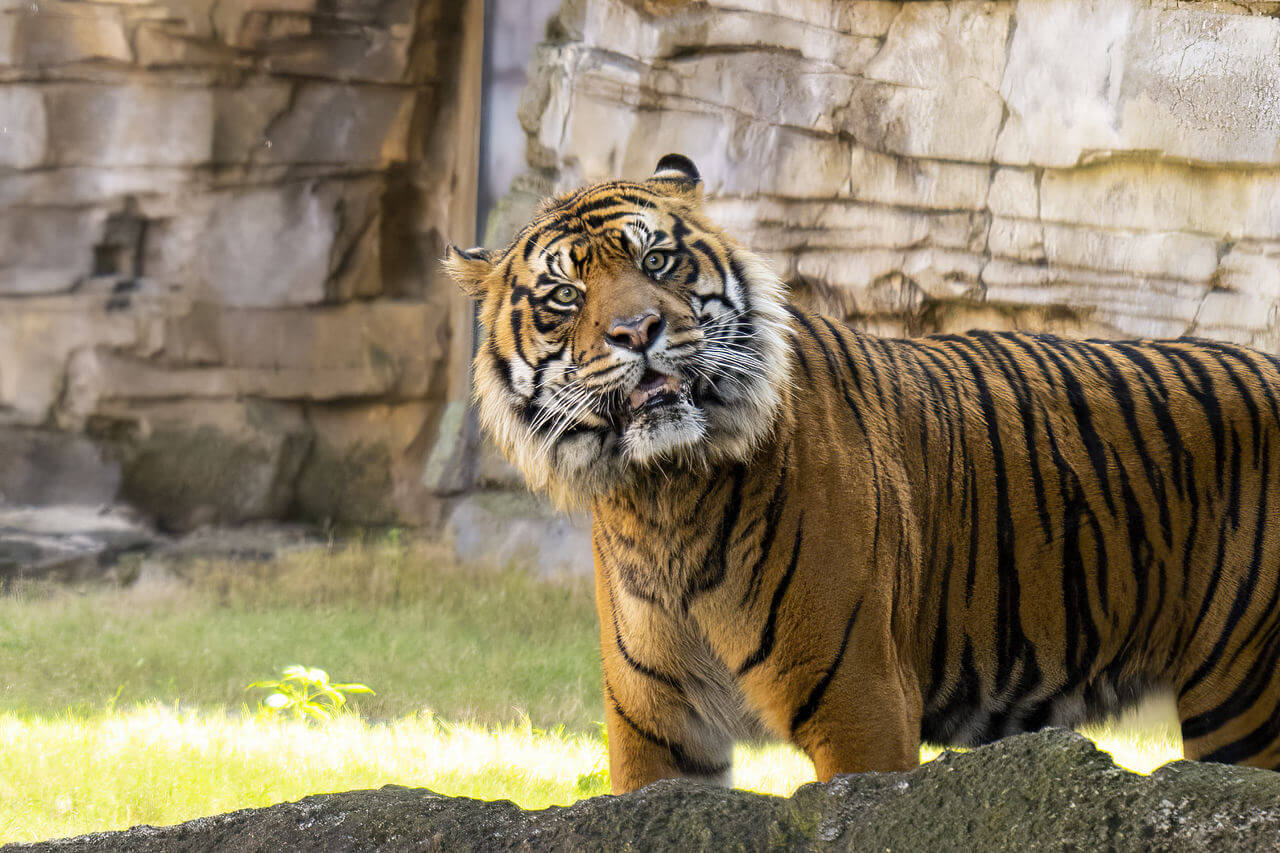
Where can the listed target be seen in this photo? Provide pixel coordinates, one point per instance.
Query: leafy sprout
(305, 693)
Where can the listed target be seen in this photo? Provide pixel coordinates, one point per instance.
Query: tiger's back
(1095, 521)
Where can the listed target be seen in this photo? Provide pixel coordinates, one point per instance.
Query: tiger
(857, 543)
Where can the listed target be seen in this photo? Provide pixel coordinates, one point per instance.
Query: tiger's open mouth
(655, 389)
(655, 398)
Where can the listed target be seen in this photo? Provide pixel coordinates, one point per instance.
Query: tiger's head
(624, 332)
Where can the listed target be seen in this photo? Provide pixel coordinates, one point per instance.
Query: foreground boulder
(1047, 790)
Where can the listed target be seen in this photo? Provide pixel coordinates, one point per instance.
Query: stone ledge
(1052, 789)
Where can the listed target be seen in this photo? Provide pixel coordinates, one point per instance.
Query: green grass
(126, 706)
(467, 643)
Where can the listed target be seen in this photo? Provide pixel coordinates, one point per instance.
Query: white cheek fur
(522, 377)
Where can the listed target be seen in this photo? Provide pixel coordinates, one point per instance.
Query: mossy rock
(1047, 791)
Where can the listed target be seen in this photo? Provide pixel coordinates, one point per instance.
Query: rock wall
(219, 225)
(219, 219)
(1090, 168)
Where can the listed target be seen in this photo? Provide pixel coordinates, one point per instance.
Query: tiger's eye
(566, 294)
(655, 261)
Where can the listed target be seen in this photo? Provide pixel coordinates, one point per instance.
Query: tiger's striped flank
(856, 543)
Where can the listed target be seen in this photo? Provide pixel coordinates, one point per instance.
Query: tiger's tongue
(651, 385)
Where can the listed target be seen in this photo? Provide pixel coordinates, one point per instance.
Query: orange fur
(855, 542)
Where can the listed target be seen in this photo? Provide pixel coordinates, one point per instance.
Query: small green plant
(304, 693)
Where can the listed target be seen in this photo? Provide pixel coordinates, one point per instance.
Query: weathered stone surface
(45, 250)
(1051, 790)
(365, 465)
(45, 467)
(193, 464)
(1192, 83)
(935, 55)
(222, 200)
(918, 166)
(74, 542)
(213, 215)
(38, 337)
(513, 529)
(65, 543)
(296, 243)
(128, 125)
(64, 33)
(24, 130)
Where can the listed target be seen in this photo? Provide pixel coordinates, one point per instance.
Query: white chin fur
(664, 433)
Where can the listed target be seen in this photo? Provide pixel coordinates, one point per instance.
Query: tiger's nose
(637, 334)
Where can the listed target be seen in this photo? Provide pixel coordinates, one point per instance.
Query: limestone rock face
(216, 209)
(1108, 169)
(219, 225)
(1047, 791)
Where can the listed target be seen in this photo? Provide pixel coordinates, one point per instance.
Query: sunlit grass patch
(69, 775)
(1143, 738)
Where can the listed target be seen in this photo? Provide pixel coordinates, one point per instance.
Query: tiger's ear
(470, 268)
(678, 169)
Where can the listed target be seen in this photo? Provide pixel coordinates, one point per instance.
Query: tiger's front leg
(655, 707)
(648, 743)
(844, 696)
(871, 723)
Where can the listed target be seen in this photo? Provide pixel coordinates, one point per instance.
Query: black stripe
(1244, 590)
(613, 199)
(1265, 733)
(833, 367)
(947, 419)
(772, 516)
(701, 246)
(1255, 419)
(502, 365)
(938, 654)
(679, 754)
(716, 568)
(1017, 382)
(1269, 610)
(643, 669)
(1057, 350)
(871, 455)
(810, 706)
(1231, 352)
(854, 373)
(516, 328)
(1205, 394)
(1011, 643)
(969, 488)
(1140, 558)
(875, 378)
(1158, 401)
(647, 671)
(1077, 614)
(1124, 398)
(768, 634)
(1247, 693)
(798, 349)
(631, 575)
